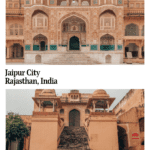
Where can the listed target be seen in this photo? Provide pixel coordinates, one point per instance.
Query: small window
(51, 1)
(87, 111)
(16, 5)
(27, 2)
(138, 5)
(95, 2)
(62, 111)
(131, 5)
(10, 5)
(125, 5)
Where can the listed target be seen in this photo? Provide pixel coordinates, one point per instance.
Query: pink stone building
(83, 31)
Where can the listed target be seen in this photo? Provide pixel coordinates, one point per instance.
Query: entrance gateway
(74, 43)
(74, 118)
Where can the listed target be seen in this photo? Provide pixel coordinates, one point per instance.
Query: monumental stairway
(73, 138)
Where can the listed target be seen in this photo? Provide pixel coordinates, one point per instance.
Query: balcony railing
(15, 12)
(134, 12)
(44, 113)
(81, 100)
(102, 113)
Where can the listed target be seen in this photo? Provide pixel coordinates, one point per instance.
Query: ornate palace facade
(83, 121)
(85, 31)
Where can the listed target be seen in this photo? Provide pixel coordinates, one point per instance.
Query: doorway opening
(74, 43)
(74, 118)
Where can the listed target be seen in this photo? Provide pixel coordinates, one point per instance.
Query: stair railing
(86, 129)
(61, 130)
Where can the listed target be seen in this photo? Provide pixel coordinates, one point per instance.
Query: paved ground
(61, 64)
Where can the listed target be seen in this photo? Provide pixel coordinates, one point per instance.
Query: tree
(16, 130)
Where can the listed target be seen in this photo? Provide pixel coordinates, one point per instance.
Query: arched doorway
(141, 124)
(143, 52)
(107, 43)
(40, 42)
(73, 26)
(74, 43)
(38, 59)
(16, 51)
(74, 118)
(122, 138)
(133, 48)
(108, 59)
(42, 45)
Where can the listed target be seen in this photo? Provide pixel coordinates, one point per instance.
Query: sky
(20, 101)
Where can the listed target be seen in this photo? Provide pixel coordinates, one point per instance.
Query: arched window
(107, 42)
(40, 20)
(142, 31)
(87, 111)
(27, 2)
(38, 59)
(38, 1)
(107, 21)
(132, 30)
(85, 3)
(141, 124)
(108, 59)
(62, 111)
(16, 29)
(133, 49)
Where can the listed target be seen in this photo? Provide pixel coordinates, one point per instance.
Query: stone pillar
(53, 106)
(93, 106)
(79, 2)
(34, 1)
(124, 43)
(7, 53)
(67, 2)
(107, 106)
(140, 31)
(140, 51)
(99, 2)
(39, 106)
(42, 2)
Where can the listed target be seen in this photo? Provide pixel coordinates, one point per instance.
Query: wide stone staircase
(73, 138)
(73, 58)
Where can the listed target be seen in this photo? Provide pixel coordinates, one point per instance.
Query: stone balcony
(134, 12)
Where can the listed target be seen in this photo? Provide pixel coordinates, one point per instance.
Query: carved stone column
(140, 51)
(8, 52)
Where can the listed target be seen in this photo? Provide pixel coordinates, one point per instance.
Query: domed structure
(100, 93)
(48, 92)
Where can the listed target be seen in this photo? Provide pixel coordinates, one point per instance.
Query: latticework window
(16, 5)
(107, 23)
(10, 5)
(132, 30)
(27, 2)
(138, 5)
(131, 5)
(38, 1)
(16, 29)
(107, 40)
(40, 20)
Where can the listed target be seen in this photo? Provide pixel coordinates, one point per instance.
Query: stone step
(73, 138)
(73, 59)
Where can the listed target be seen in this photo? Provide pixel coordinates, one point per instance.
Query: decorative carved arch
(101, 11)
(42, 10)
(70, 15)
